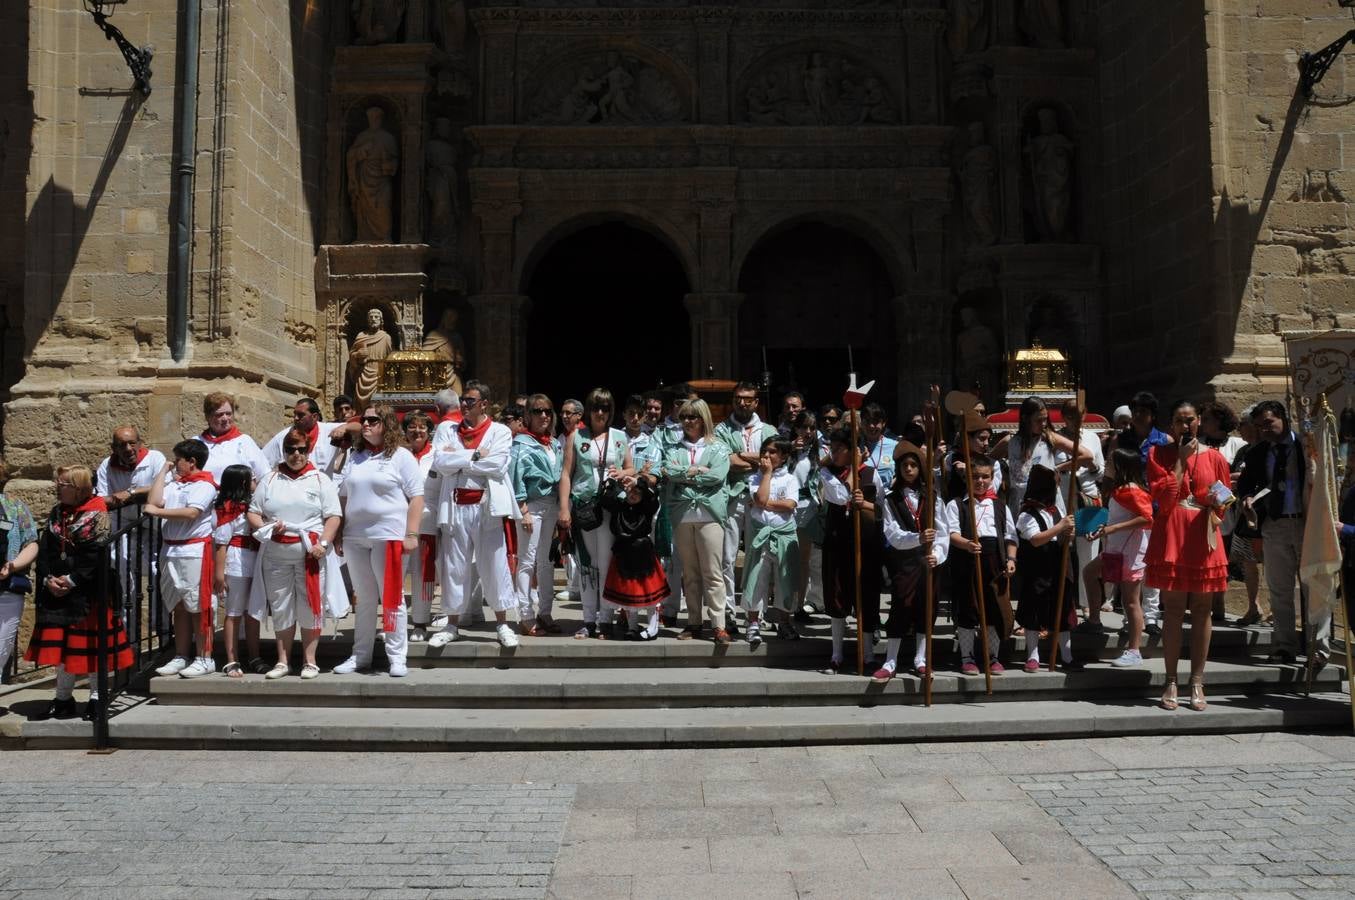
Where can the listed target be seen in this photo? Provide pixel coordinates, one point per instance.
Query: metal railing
(128, 584)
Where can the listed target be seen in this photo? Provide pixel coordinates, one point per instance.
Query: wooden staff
(932, 423)
(1345, 623)
(856, 544)
(1068, 540)
(960, 403)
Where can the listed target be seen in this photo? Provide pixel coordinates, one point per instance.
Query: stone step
(679, 687)
(477, 647)
(302, 727)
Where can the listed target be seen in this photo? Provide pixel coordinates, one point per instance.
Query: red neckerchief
(93, 504)
(543, 439)
(140, 455)
(288, 473)
(427, 448)
(229, 511)
(211, 439)
(313, 437)
(990, 495)
(199, 476)
(471, 437)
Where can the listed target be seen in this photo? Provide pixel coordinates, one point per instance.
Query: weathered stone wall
(100, 199)
(16, 122)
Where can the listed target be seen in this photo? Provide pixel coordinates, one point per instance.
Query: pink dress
(1179, 556)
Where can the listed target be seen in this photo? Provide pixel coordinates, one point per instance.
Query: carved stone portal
(978, 354)
(968, 32)
(373, 160)
(1041, 21)
(607, 89)
(824, 89)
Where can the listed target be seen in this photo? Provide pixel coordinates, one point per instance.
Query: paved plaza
(1248, 816)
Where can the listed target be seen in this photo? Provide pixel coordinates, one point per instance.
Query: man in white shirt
(324, 455)
(226, 444)
(475, 503)
(743, 433)
(186, 505)
(124, 479)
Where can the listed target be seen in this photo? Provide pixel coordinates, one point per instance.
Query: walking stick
(960, 403)
(931, 422)
(1068, 541)
(1345, 623)
(856, 542)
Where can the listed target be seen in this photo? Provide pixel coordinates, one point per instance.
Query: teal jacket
(534, 473)
(731, 435)
(708, 489)
(583, 481)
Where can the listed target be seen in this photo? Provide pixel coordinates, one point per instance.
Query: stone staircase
(558, 692)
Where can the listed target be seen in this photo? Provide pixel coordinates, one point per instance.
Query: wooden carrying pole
(932, 422)
(856, 541)
(959, 403)
(1068, 540)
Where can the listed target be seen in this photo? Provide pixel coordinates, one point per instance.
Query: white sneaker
(1128, 659)
(203, 665)
(418, 635)
(281, 670)
(440, 622)
(399, 670)
(173, 667)
(507, 637)
(347, 667)
(563, 596)
(443, 637)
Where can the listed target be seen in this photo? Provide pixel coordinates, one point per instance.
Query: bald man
(125, 475)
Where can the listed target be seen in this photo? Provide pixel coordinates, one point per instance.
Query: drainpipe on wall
(187, 117)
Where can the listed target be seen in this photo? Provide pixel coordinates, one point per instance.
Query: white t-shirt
(321, 455)
(428, 522)
(1027, 526)
(239, 560)
(180, 495)
(785, 486)
(1131, 543)
(304, 502)
(238, 451)
(378, 490)
(985, 516)
(109, 480)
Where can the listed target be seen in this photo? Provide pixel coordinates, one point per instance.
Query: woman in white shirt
(422, 565)
(382, 498)
(302, 506)
(1035, 444)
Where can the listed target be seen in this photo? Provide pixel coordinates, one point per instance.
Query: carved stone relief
(373, 159)
(607, 88)
(1041, 23)
(377, 21)
(978, 172)
(817, 89)
(440, 184)
(978, 353)
(968, 29)
(1049, 155)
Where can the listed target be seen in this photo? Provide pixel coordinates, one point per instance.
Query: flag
(856, 396)
(1320, 561)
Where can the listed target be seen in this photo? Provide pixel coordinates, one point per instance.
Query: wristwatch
(324, 545)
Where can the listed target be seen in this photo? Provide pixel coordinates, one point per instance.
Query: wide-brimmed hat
(975, 421)
(906, 448)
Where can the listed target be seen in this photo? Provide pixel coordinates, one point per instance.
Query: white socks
(892, 653)
(920, 654)
(1065, 646)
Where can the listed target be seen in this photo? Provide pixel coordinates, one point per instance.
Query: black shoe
(1073, 665)
(620, 631)
(57, 709)
(786, 631)
(668, 621)
(1153, 629)
(92, 709)
(1281, 657)
(733, 629)
(802, 617)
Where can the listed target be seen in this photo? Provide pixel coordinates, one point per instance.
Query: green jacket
(707, 490)
(731, 436)
(534, 473)
(583, 480)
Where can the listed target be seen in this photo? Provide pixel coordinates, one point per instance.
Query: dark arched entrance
(809, 292)
(607, 310)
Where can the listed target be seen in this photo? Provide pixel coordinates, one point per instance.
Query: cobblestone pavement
(1225, 831)
(147, 840)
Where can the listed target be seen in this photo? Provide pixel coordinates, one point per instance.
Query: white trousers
(473, 545)
(237, 597)
(284, 586)
(672, 604)
(599, 544)
(180, 582)
(1150, 598)
(11, 610)
(735, 524)
(367, 568)
(534, 559)
(421, 592)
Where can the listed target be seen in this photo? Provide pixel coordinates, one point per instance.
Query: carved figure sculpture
(1051, 167)
(968, 32)
(817, 88)
(978, 170)
(608, 89)
(368, 348)
(451, 24)
(875, 106)
(444, 340)
(377, 21)
(1041, 21)
(615, 102)
(978, 356)
(444, 203)
(373, 160)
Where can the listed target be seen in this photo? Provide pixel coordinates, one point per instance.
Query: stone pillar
(712, 34)
(920, 321)
(411, 181)
(500, 321)
(715, 333)
(921, 50)
(498, 59)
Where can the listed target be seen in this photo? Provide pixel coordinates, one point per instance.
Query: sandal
(309, 671)
(587, 630)
(691, 632)
(1251, 618)
(1168, 701)
(258, 666)
(281, 670)
(233, 670)
(1197, 701)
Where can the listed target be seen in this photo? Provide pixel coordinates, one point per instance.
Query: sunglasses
(469, 401)
(605, 409)
(371, 420)
(831, 419)
(690, 417)
(294, 448)
(542, 411)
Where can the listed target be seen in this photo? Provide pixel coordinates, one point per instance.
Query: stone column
(922, 47)
(499, 337)
(920, 322)
(715, 333)
(712, 34)
(411, 180)
(498, 58)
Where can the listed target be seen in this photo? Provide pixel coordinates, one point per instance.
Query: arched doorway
(809, 292)
(607, 310)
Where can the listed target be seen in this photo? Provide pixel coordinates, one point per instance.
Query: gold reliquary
(1038, 370)
(414, 371)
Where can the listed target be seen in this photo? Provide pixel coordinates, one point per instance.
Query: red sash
(140, 455)
(510, 541)
(313, 598)
(467, 496)
(393, 585)
(207, 620)
(428, 558)
(244, 542)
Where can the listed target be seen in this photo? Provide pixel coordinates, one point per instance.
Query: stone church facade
(933, 182)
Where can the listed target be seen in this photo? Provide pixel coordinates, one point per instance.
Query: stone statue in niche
(1041, 21)
(1050, 155)
(444, 203)
(1054, 326)
(373, 160)
(825, 89)
(968, 32)
(444, 340)
(451, 26)
(377, 21)
(978, 355)
(369, 347)
(607, 89)
(978, 170)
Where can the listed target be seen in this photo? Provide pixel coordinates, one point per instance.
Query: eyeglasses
(469, 401)
(542, 411)
(600, 409)
(371, 420)
(65, 484)
(294, 448)
(831, 419)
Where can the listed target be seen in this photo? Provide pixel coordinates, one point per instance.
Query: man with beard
(743, 433)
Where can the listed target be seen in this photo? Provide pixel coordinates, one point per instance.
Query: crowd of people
(475, 502)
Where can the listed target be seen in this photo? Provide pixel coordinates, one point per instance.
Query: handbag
(586, 515)
(1112, 567)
